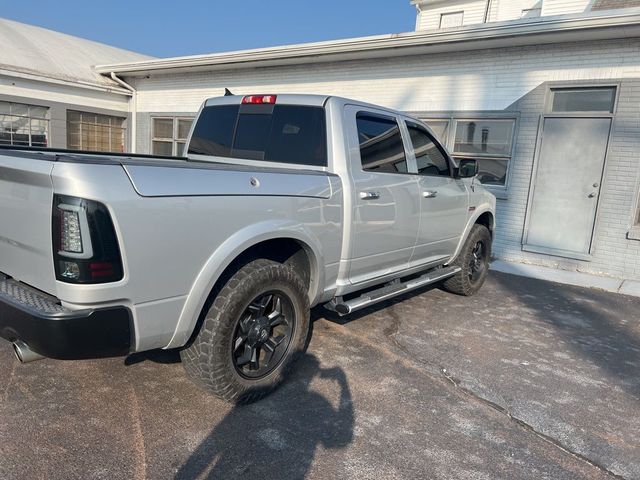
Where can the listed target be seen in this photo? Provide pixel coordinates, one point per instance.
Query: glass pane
(5, 107)
(492, 171)
(213, 134)
(164, 149)
(440, 128)
(584, 100)
(484, 137)
(103, 120)
(19, 109)
(117, 140)
(180, 149)
(430, 159)
(183, 128)
(449, 20)
(73, 141)
(38, 112)
(162, 128)
(381, 148)
(73, 116)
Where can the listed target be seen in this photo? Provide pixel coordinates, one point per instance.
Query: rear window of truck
(292, 134)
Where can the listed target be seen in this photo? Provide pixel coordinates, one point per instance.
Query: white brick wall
(504, 79)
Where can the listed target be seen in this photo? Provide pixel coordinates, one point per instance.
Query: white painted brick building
(545, 93)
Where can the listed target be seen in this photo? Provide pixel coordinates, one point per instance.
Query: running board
(390, 290)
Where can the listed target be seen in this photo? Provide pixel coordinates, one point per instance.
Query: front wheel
(255, 329)
(473, 260)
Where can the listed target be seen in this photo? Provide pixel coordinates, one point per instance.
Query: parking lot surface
(528, 379)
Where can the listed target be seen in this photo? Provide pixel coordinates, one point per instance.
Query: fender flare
(227, 252)
(481, 209)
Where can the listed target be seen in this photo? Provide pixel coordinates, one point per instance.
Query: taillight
(259, 99)
(85, 247)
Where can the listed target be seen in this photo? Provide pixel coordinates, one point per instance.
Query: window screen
(429, 157)
(282, 133)
(381, 148)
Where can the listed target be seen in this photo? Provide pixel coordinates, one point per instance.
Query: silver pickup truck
(282, 203)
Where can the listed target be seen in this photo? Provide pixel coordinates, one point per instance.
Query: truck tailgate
(26, 195)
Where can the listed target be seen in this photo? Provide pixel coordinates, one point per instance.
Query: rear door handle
(369, 195)
(429, 194)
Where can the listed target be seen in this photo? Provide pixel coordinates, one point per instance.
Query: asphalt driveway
(528, 379)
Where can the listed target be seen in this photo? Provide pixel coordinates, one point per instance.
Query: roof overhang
(13, 72)
(542, 30)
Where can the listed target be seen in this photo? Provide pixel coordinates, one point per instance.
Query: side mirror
(467, 168)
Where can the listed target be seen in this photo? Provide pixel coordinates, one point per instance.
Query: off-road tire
(467, 282)
(208, 359)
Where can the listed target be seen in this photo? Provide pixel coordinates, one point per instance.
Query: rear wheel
(473, 260)
(256, 328)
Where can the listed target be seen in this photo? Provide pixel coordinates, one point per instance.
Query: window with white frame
(531, 12)
(451, 19)
(169, 135)
(95, 132)
(24, 125)
(486, 139)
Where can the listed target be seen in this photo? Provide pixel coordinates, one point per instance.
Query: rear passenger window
(292, 134)
(381, 148)
(430, 158)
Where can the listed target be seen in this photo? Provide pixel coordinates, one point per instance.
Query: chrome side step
(390, 290)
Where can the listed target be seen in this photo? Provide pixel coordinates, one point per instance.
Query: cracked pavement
(528, 379)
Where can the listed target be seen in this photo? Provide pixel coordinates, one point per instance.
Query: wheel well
(486, 219)
(282, 250)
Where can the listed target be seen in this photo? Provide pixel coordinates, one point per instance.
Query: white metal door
(566, 187)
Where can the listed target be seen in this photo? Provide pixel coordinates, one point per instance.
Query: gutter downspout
(487, 11)
(134, 108)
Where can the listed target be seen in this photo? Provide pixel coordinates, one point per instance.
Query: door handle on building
(369, 195)
(429, 194)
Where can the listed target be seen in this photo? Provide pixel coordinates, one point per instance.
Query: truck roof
(298, 99)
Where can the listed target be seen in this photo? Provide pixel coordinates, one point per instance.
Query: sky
(164, 29)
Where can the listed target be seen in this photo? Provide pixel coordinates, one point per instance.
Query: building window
(595, 99)
(531, 12)
(440, 129)
(451, 20)
(95, 132)
(487, 140)
(24, 125)
(169, 135)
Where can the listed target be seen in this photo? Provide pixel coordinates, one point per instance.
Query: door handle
(369, 195)
(429, 194)
(592, 194)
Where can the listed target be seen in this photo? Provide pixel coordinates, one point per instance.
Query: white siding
(500, 10)
(563, 7)
(510, 79)
(429, 17)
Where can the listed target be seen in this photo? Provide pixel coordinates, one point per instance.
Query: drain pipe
(24, 354)
(134, 108)
(487, 10)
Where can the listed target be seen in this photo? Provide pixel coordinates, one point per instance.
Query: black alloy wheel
(263, 335)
